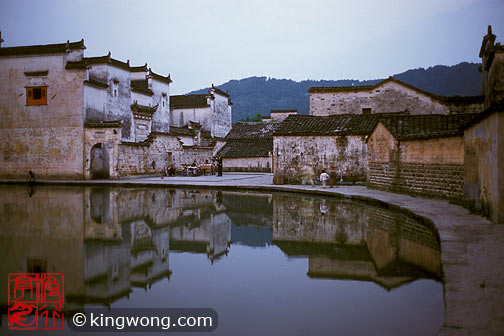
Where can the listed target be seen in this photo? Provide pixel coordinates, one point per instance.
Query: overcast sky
(200, 42)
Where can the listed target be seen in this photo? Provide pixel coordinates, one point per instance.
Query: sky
(200, 42)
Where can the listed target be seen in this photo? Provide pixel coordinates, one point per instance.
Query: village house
(65, 115)
(390, 95)
(335, 143)
(408, 140)
(420, 154)
(211, 110)
(248, 146)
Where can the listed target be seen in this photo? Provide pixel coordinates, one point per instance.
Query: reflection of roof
(252, 130)
(342, 124)
(412, 127)
(188, 101)
(359, 88)
(42, 49)
(246, 148)
(188, 246)
(352, 263)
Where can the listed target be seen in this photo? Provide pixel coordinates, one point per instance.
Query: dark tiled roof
(283, 111)
(416, 127)
(42, 49)
(141, 86)
(143, 109)
(188, 101)
(102, 124)
(343, 124)
(219, 91)
(246, 148)
(458, 100)
(141, 68)
(81, 65)
(97, 83)
(181, 131)
(252, 130)
(160, 78)
(109, 60)
(495, 107)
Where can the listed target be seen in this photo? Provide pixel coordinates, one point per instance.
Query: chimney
(1, 40)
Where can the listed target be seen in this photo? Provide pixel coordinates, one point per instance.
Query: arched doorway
(99, 162)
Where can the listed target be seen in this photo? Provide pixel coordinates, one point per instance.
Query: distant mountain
(254, 95)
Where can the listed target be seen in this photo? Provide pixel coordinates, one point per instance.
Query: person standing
(324, 177)
(219, 165)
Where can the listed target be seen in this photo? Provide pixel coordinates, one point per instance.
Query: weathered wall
(346, 155)
(161, 118)
(221, 116)
(46, 139)
(180, 117)
(253, 164)
(432, 167)
(137, 158)
(484, 162)
(389, 97)
(110, 138)
(494, 85)
(118, 99)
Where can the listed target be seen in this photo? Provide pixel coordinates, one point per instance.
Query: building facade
(69, 116)
(388, 96)
(211, 110)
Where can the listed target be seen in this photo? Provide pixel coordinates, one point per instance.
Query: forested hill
(254, 95)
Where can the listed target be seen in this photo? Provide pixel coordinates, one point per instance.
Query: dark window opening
(36, 266)
(366, 110)
(36, 95)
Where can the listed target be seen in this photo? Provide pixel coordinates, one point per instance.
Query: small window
(366, 110)
(36, 95)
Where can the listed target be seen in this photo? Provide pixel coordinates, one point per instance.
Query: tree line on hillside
(258, 95)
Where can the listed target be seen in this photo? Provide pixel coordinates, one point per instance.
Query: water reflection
(108, 241)
(346, 240)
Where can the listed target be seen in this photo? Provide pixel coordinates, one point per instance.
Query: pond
(268, 264)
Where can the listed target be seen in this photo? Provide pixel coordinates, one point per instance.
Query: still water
(268, 264)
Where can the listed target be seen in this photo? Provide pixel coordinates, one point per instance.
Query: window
(366, 110)
(36, 95)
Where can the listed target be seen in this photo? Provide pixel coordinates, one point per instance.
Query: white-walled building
(211, 110)
(64, 115)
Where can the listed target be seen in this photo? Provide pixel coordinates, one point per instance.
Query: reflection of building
(351, 241)
(104, 241)
(210, 235)
(250, 227)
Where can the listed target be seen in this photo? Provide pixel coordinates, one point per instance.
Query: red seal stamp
(36, 301)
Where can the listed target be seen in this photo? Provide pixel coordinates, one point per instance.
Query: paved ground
(472, 249)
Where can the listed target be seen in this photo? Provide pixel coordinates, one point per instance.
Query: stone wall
(386, 98)
(431, 167)
(46, 139)
(253, 164)
(137, 158)
(346, 155)
(484, 162)
(110, 138)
